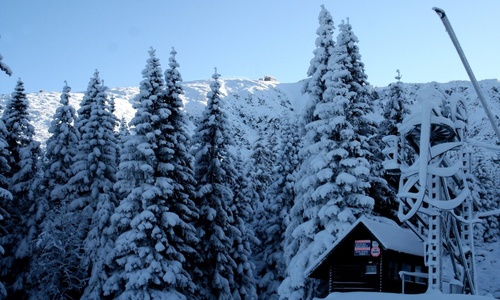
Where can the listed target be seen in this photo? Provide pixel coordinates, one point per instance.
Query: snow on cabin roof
(394, 237)
(390, 235)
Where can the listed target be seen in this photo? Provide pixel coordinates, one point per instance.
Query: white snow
(389, 296)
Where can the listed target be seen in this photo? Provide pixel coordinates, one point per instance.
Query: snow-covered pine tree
(259, 168)
(215, 175)
(60, 150)
(334, 178)
(112, 108)
(484, 187)
(4, 67)
(395, 110)
(5, 197)
(123, 132)
(261, 164)
(54, 272)
(155, 237)
(92, 199)
(362, 107)
(24, 213)
(177, 141)
(314, 85)
(244, 241)
(280, 194)
(121, 136)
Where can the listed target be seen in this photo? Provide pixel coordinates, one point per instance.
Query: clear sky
(47, 42)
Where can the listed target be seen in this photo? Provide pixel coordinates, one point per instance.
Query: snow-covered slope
(253, 106)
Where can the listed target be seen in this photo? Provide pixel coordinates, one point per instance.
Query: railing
(403, 274)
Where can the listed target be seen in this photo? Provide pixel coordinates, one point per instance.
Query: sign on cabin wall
(366, 248)
(362, 247)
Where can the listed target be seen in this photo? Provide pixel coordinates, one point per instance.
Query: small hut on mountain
(372, 255)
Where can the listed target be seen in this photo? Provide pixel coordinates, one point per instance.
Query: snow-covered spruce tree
(280, 194)
(261, 162)
(60, 150)
(484, 188)
(177, 141)
(259, 172)
(333, 181)
(5, 196)
(54, 271)
(123, 132)
(395, 109)
(155, 244)
(91, 196)
(314, 85)
(112, 108)
(4, 68)
(362, 106)
(244, 241)
(215, 175)
(24, 213)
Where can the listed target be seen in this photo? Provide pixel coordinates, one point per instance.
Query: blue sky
(47, 42)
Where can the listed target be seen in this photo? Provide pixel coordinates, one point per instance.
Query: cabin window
(393, 270)
(370, 270)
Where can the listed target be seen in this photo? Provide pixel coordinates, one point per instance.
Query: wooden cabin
(370, 256)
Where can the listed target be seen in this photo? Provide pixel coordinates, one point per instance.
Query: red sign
(375, 252)
(362, 247)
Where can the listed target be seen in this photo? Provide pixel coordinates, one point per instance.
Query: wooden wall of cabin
(349, 272)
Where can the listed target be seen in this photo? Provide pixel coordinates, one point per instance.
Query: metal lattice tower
(434, 197)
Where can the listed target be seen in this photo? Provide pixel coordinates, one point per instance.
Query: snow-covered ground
(252, 105)
(388, 296)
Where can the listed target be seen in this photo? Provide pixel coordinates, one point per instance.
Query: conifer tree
(92, 198)
(259, 171)
(177, 140)
(260, 164)
(215, 176)
(155, 238)
(5, 195)
(315, 86)
(60, 150)
(54, 272)
(244, 241)
(123, 132)
(334, 177)
(4, 68)
(484, 187)
(23, 212)
(395, 109)
(280, 194)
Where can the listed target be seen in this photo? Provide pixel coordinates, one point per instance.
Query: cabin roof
(390, 235)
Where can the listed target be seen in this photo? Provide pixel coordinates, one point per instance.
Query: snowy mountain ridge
(252, 104)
